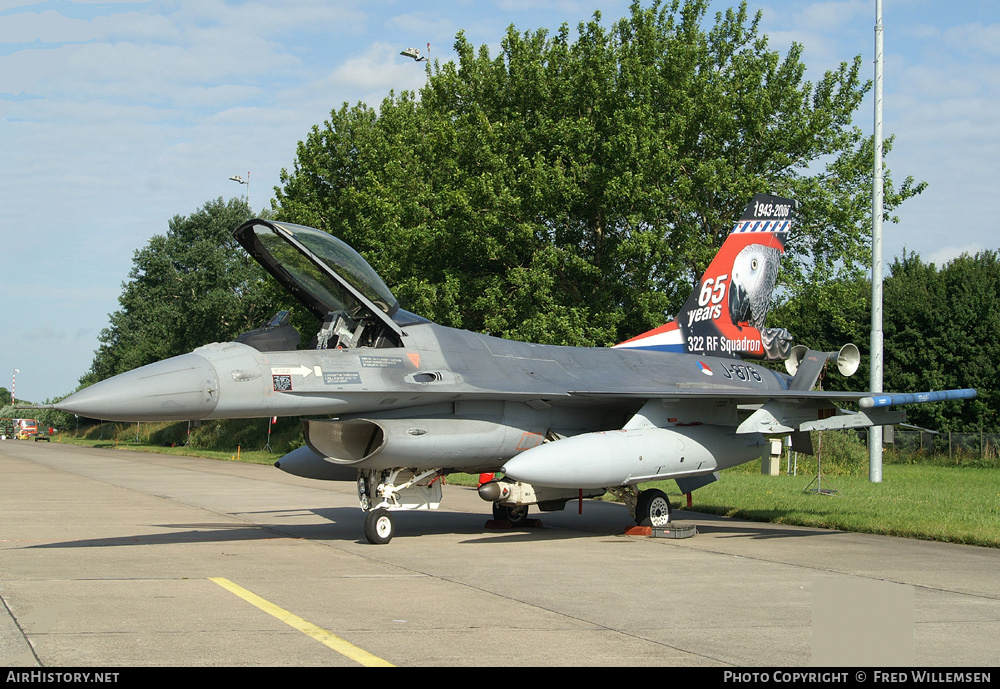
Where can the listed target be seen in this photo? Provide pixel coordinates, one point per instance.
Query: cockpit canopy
(330, 279)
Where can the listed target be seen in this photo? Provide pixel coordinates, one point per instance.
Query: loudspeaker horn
(795, 358)
(848, 359)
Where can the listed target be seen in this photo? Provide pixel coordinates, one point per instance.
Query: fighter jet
(397, 402)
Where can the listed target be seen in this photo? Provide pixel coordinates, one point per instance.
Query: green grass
(957, 505)
(128, 444)
(223, 440)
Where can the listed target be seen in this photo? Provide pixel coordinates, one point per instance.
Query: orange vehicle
(25, 428)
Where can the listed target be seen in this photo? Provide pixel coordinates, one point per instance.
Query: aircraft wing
(776, 412)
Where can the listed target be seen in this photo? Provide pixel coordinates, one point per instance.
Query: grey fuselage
(599, 388)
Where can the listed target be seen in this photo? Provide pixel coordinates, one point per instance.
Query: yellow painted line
(321, 635)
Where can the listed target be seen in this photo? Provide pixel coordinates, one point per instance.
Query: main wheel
(652, 508)
(515, 514)
(378, 526)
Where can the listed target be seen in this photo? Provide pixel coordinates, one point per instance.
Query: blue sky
(116, 116)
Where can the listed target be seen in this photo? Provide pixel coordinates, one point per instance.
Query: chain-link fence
(845, 452)
(978, 445)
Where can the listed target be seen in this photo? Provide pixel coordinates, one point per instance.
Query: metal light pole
(875, 432)
(13, 384)
(237, 178)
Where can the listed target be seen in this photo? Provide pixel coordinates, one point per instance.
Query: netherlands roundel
(705, 369)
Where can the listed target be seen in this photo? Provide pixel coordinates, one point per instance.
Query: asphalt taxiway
(114, 559)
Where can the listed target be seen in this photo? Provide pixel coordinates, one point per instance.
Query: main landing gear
(517, 515)
(652, 508)
(649, 507)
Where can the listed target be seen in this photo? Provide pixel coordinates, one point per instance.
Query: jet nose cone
(178, 389)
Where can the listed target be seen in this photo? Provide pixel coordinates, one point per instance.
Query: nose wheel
(379, 527)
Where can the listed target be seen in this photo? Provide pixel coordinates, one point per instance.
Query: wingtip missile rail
(893, 399)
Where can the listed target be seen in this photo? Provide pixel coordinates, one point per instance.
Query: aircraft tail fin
(725, 314)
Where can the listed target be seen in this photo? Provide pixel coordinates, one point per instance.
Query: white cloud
(376, 72)
(564, 6)
(46, 27)
(422, 23)
(975, 38)
(44, 332)
(829, 32)
(833, 17)
(947, 254)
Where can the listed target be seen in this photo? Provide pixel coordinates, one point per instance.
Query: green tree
(827, 315)
(572, 191)
(188, 287)
(941, 332)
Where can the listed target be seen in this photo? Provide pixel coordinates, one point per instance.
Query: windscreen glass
(309, 277)
(345, 262)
